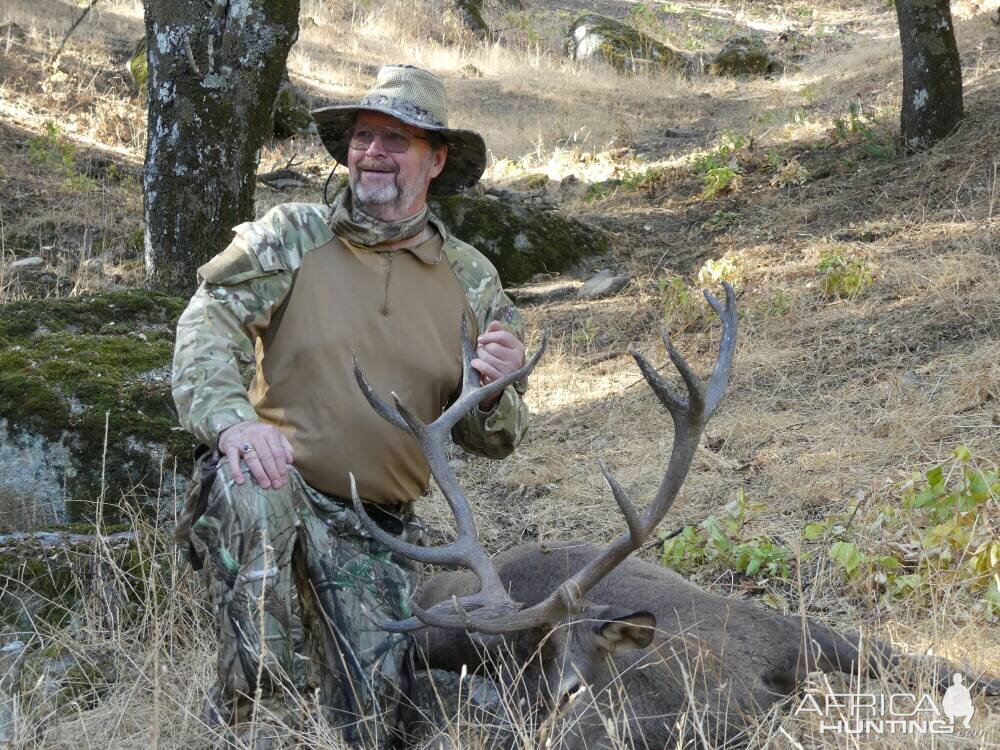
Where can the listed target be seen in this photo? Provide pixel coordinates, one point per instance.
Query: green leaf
(847, 555)
(962, 453)
(754, 565)
(814, 531)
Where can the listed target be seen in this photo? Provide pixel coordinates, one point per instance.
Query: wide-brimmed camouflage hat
(416, 97)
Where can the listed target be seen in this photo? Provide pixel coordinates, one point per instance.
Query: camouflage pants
(291, 574)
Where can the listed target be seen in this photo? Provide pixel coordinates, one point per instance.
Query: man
(295, 294)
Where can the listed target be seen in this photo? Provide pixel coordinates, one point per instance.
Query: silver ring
(247, 448)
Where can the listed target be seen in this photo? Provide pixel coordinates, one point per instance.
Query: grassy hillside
(869, 349)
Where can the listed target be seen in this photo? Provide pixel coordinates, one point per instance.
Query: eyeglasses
(393, 141)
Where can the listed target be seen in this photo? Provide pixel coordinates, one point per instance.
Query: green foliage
(934, 530)
(841, 276)
(677, 300)
(721, 221)
(775, 306)
(717, 540)
(588, 332)
(866, 130)
(730, 267)
(52, 151)
(719, 169)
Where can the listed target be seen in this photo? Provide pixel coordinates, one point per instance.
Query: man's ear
(619, 628)
(438, 158)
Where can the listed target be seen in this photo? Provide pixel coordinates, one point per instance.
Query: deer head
(491, 610)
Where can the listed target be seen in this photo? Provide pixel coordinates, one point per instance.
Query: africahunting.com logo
(896, 713)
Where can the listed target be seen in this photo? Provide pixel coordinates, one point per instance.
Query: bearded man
(289, 570)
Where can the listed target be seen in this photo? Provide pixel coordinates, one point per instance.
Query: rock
(518, 239)
(57, 678)
(27, 266)
(602, 284)
(627, 50)
(292, 111)
(546, 291)
(744, 56)
(11, 31)
(61, 579)
(11, 665)
(64, 364)
(471, 12)
(138, 67)
(528, 182)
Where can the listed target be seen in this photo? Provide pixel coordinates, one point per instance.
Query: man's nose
(375, 148)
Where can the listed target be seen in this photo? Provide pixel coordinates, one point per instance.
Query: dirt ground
(837, 397)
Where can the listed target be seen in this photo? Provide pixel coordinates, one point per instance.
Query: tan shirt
(401, 312)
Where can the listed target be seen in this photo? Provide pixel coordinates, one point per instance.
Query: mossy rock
(64, 365)
(628, 50)
(292, 112)
(472, 17)
(138, 67)
(744, 56)
(519, 240)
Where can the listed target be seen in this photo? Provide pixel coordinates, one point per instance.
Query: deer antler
(491, 610)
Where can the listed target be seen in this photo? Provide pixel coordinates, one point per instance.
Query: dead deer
(691, 665)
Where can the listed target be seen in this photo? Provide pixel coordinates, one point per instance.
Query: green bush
(841, 276)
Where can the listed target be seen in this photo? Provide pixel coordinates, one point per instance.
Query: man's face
(387, 185)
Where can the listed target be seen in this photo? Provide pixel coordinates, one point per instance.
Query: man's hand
(266, 451)
(498, 353)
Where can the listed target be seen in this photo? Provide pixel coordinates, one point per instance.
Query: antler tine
(381, 407)
(665, 392)
(727, 349)
(446, 555)
(696, 394)
(470, 378)
(628, 510)
(474, 395)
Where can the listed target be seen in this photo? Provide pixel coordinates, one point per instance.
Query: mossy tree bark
(932, 72)
(214, 71)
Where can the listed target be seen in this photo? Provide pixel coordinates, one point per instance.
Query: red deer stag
(682, 664)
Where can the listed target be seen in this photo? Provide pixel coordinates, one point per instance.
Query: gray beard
(384, 202)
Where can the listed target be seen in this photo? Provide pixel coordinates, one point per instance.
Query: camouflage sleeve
(215, 340)
(496, 433)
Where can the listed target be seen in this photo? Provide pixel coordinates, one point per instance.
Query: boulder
(518, 239)
(66, 579)
(292, 111)
(138, 67)
(627, 50)
(744, 56)
(66, 366)
(602, 284)
(471, 12)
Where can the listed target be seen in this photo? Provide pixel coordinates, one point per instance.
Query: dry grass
(830, 399)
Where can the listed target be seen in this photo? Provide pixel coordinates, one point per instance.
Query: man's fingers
(499, 337)
(497, 363)
(487, 372)
(233, 458)
(253, 462)
(276, 453)
(289, 451)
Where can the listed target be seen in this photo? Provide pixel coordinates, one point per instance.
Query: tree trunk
(932, 72)
(214, 71)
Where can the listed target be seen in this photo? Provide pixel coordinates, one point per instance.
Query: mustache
(376, 165)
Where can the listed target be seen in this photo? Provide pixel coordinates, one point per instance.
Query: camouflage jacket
(241, 287)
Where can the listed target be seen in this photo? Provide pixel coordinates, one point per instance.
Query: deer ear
(619, 628)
